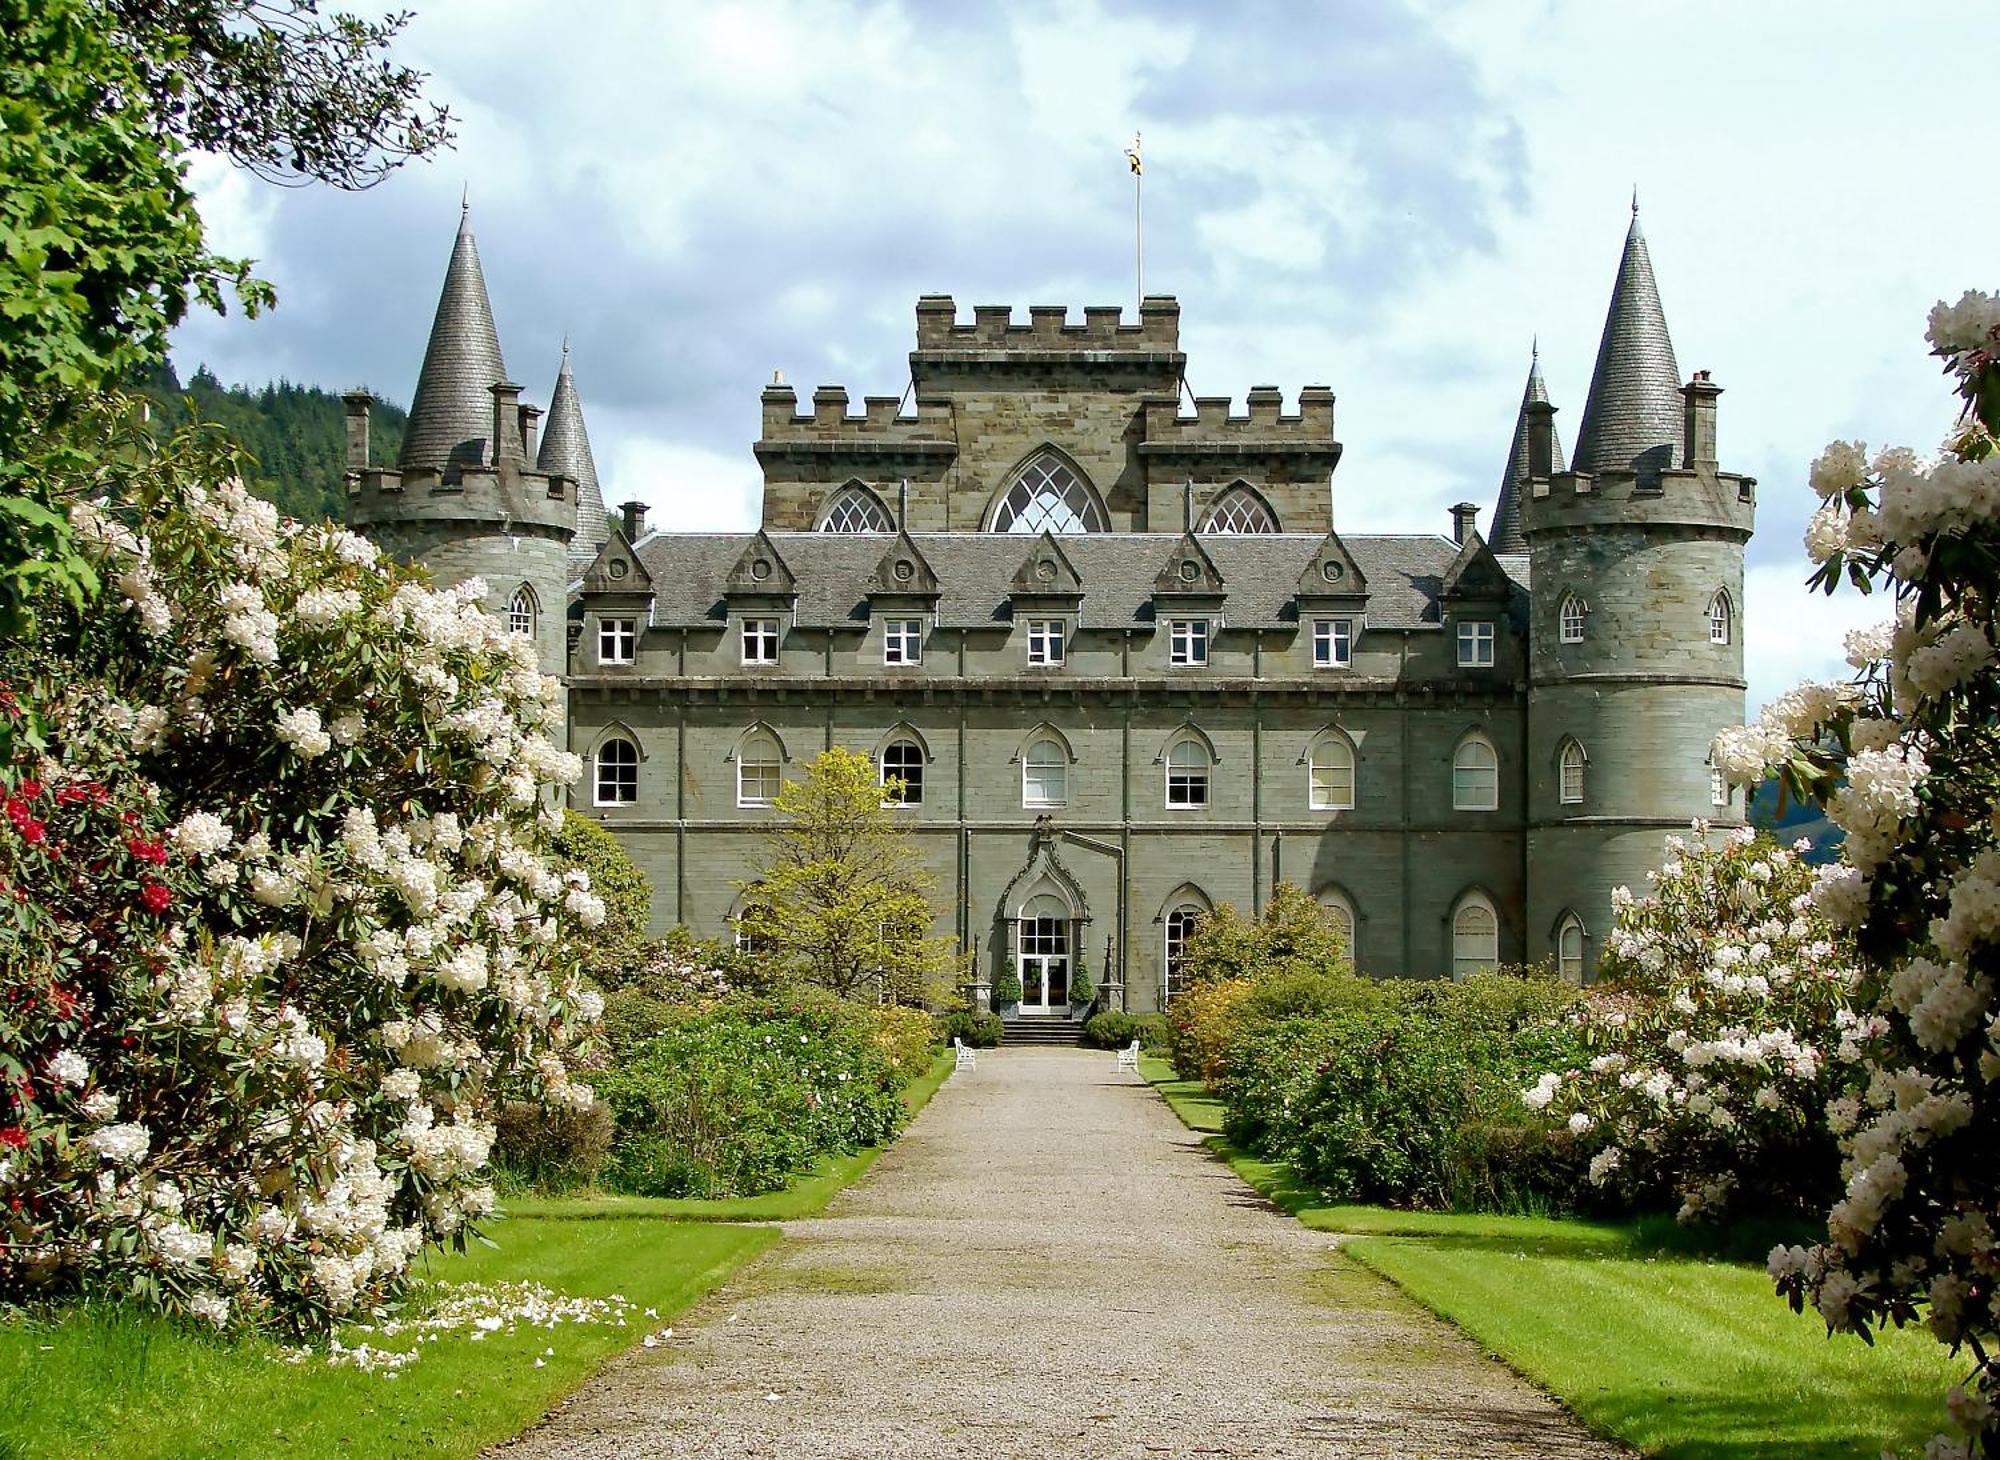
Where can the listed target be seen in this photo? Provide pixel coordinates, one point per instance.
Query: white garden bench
(966, 1059)
(1128, 1057)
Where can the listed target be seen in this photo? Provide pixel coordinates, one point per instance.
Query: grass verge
(1673, 1350)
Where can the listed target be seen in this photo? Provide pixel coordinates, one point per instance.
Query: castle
(1120, 660)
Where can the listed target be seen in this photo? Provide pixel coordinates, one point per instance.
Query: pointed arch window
(760, 769)
(1240, 510)
(1330, 773)
(1569, 949)
(856, 509)
(1188, 766)
(1340, 908)
(1721, 618)
(615, 773)
(1570, 619)
(1475, 936)
(1569, 773)
(521, 611)
(1181, 924)
(903, 761)
(1044, 775)
(1049, 496)
(1475, 775)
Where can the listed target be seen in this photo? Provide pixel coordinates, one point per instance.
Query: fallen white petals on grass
(475, 1310)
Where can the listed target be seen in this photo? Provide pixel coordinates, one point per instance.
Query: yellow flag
(1132, 156)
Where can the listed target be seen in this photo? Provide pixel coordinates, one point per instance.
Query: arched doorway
(1042, 942)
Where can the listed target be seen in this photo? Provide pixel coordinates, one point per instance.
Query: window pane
(855, 510)
(1239, 510)
(1048, 496)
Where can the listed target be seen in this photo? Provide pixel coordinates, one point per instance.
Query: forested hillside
(295, 434)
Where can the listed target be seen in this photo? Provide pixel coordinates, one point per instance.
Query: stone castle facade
(1115, 652)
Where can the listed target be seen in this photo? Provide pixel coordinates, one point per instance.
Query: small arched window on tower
(521, 611)
(1720, 618)
(1475, 936)
(1569, 773)
(1569, 949)
(1570, 619)
(616, 778)
(1048, 496)
(1475, 775)
(1240, 510)
(856, 509)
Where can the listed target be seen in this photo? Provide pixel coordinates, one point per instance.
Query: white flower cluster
(1970, 324)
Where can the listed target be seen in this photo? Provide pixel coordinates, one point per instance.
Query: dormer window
(1188, 641)
(1333, 643)
(617, 640)
(1475, 644)
(1046, 643)
(760, 641)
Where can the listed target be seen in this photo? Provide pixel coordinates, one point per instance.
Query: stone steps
(1044, 1031)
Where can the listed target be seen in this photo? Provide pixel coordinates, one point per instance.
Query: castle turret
(466, 499)
(1507, 537)
(566, 452)
(1636, 639)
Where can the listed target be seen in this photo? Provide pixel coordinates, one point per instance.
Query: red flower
(155, 898)
(145, 851)
(13, 1135)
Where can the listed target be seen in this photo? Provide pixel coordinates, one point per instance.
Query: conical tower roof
(1507, 537)
(451, 415)
(566, 449)
(1632, 420)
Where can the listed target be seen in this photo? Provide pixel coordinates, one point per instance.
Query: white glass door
(1044, 958)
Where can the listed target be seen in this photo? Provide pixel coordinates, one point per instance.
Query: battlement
(506, 497)
(879, 427)
(1700, 497)
(1049, 330)
(1265, 427)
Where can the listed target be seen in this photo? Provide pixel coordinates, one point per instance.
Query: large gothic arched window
(1240, 510)
(1048, 496)
(856, 509)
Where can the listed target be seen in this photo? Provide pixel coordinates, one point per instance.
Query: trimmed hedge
(1112, 1030)
(979, 1029)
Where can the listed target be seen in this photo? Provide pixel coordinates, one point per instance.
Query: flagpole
(1138, 223)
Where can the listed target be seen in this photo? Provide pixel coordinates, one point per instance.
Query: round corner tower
(1636, 637)
(470, 496)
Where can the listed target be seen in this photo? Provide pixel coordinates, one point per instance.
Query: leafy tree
(101, 247)
(618, 948)
(845, 903)
(1294, 934)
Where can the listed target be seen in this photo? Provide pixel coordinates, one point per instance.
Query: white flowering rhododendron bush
(278, 924)
(1722, 1028)
(1906, 759)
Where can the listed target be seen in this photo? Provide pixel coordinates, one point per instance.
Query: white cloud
(686, 488)
(1792, 633)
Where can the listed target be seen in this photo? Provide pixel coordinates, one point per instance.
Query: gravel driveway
(1048, 1265)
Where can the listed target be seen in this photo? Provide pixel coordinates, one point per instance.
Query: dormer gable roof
(1331, 572)
(1189, 570)
(760, 570)
(1475, 573)
(1047, 572)
(903, 572)
(617, 569)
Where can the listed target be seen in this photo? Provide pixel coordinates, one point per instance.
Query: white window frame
(1464, 798)
(1570, 771)
(1333, 643)
(761, 759)
(1569, 619)
(1180, 924)
(1719, 791)
(759, 638)
(521, 614)
(1032, 802)
(1721, 618)
(1466, 956)
(598, 767)
(910, 785)
(902, 641)
(1048, 642)
(1570, 967)
(1184, 771)
(1187, 642)
(1330, 753)
(1476, 643)
(617, 640)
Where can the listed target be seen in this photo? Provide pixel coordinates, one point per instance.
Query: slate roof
(1632, 419)
(976, 570)
(566, 448)
(451, 414)
(1507, 536)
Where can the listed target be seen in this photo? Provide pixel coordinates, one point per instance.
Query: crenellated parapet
(1266, 428)
(506, 498)
(879, 431)
(1690, 492)
(1048, 329)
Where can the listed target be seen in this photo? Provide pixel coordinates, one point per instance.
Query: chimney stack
(1541, 440)
(1698, 421)
(506, 442)
(530, 418)
(635, 520)
(1464, 521)
(357, 403)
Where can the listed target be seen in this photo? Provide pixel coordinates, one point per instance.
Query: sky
(1392, 199)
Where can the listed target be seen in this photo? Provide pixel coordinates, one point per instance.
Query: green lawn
(1674, 1351)
(114, 1386)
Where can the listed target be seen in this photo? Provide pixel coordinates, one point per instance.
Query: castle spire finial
(1535, 348)
(1635, 200)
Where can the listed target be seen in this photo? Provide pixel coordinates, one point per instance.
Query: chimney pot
(357, 403)
(1541, 440)
(1464, 521)
(1698, 421)
(530, 421)
(635, 520)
